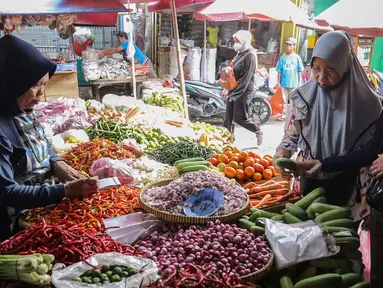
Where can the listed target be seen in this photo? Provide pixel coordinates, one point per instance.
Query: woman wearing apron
(27, 162)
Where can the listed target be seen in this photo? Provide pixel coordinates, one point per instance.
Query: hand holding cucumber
(282, 154)
(308, 168)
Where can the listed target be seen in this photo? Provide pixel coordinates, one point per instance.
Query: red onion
(226, 248)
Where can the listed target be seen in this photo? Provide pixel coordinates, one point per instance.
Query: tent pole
(249, 24)
(179, 59)
(134, 82)
(204, 51)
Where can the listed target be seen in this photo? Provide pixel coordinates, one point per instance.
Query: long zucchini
(189, 160)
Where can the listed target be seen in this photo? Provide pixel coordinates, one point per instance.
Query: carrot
(266, 183)
(274, 192)
(265, 188)
(284, 183)
(253, 203)
(295, 198)
(268, 196)
(249, 185)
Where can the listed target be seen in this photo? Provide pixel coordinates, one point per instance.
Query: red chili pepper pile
(88, 212)
(84, 155)
(67, 245)
(200, 277)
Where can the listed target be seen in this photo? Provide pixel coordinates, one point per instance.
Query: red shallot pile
(227, 248)
(171, 198)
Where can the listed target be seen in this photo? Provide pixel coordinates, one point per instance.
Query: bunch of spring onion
(31, 269)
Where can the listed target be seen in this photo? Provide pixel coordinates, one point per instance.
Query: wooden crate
(62, 84)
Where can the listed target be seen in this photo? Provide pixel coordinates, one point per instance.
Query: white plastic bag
(61, 275)
(295, 243)
(62, 143)
(107, 167)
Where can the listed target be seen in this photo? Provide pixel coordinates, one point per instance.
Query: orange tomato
(267, 174)
(249, 162)
(269, 160)
(240, 166)
(227, 149)
(216, 156)
(236, 150)
(229, 154)
(214, 161)
(223, 159)
(268, 156)
(235, 154)
(249, 171)
(230, 172)
(233, 164)
(256, 160)
(239, 175)
(254, 155)
(257, 177)
(243, 156)
(258, 168)
(221, 167)
(272, 170)
(264, 163)
(234, 158)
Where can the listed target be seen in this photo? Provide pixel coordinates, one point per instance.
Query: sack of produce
(107, 168)
(296, 243)
(113, 270)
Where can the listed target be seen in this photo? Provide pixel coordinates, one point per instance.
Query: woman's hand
(309, 168)
(282, 153)
(81, 188)
(377, 168)
(66, 173)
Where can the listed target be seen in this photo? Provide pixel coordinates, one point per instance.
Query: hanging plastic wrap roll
(173, 71)
(211, 57)
(194, 59)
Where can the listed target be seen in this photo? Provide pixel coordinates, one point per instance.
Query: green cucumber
(297, 211)
(245, 217)
(290, 219)
(320, 281)
(309, 211)
(258, 231)
(333, 215)
(286, 163)
(245, 224)
(350, 279)
(330, 263)
(322, 207)
(306, 201)
(364, 284)
(264, 214)
(189, 160)
(260, 222)
(185, 164)
(277, 218)
(351, 242)
(193, 169)
(307, 273)
(342, 271)
(286, 282)
(347, 223)
(334, 230)
(255, 216)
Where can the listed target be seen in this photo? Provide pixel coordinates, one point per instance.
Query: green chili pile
(173, 152)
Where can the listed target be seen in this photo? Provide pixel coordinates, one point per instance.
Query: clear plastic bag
(81, 35)
(107, 168)
(61, 275)
(62, 143)
(295, 243)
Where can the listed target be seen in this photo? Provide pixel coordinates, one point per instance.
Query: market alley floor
(272, 135)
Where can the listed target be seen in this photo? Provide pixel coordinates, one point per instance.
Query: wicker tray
(260, 273)
(186, 219)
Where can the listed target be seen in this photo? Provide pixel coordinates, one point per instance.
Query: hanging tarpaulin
(41, 7)
(182, 6)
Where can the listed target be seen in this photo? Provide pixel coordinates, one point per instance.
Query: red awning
(183, 6)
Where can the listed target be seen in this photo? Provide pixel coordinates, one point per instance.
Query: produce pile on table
(226, 248)
(171, 198)
(172, 101)
(212, 135)
(345, 269)
(67, 245)
(88, 212)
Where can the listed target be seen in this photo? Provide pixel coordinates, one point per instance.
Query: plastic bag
(277, 103)
(375, 194)
(62, 143)
(107, 168)
(365, 246)
(61, 275)
(132, 227)
(81, 35)
(295, 243)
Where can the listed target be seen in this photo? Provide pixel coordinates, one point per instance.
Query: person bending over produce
(333, 113)
(27, 162)
(245, 66)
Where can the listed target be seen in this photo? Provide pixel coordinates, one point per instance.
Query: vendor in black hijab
(27, 162)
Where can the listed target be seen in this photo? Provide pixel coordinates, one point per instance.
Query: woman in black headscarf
(27, 162)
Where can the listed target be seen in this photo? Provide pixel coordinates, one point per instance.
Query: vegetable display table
(97, 84)
(62, 84)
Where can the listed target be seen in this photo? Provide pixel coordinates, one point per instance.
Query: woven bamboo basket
(253, 277)
(175, 218)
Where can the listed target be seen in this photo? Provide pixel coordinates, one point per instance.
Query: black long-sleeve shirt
(358, 158)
